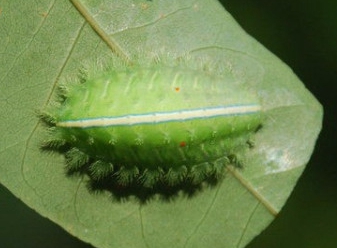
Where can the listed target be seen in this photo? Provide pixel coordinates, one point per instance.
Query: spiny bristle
(100, 169)
(234, 160)
(200, 172)
(53, 144)
(75, 159)
(54, 141)
(126, 176)
(219, 168)
(47, 118)
(175, 176)
(151, 176)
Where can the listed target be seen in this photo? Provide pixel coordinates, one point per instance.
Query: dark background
(304, 35)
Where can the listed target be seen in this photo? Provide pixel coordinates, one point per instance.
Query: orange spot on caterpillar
(182, 144)
(177, 89)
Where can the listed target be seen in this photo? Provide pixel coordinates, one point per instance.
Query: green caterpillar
(154, 124)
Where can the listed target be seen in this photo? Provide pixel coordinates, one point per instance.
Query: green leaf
(44, 42)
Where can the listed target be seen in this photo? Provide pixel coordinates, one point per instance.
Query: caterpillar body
(153, 124)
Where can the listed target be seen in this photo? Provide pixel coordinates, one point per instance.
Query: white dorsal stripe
(159, 117)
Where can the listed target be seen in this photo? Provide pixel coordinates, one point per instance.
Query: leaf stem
(113, 44)
(253, 191)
